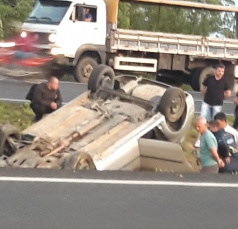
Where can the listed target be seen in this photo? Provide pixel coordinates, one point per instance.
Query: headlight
(52, 37)
(23, 34)
(56, 51)
(7, 44)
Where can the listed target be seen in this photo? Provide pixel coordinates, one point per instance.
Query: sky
(236, 1)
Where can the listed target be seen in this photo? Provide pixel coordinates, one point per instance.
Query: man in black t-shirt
(214, 89)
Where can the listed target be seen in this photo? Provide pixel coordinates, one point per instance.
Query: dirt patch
(188, 147)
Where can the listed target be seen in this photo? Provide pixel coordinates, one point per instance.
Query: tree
(123, 19)
(13, 10)
(228, 21)
(179, 20)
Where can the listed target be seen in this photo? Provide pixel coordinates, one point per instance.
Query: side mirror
(73, 17)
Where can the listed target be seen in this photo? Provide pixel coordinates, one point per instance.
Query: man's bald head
(201, 124)
(53, 83)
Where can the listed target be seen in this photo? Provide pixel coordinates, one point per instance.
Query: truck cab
(63, 30)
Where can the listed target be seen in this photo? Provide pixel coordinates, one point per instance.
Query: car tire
(84, 69)
(79, 161)
(7, 131)
(102, 75)
(172, 104)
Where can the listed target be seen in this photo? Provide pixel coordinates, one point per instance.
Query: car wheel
(102, 75)
(84, 69)
(172, 104)
(79, 161)
(85, 162)
(8, 132)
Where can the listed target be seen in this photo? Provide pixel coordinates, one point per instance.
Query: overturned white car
(121, 123)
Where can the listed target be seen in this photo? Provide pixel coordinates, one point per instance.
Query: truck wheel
(8, 131)
(172, 104)
(102, 75)
(198, 75)
(84, 69)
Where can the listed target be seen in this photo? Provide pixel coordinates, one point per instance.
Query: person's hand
(53, 106)
(221, 163)
(227, 160)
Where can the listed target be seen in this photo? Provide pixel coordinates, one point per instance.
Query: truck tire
(102, 75)
(7, 131)
(172, 104)
(84, 69)
(198, 76)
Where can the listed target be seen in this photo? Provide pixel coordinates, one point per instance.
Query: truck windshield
(48, 12)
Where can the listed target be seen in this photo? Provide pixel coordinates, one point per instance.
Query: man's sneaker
(197, 144)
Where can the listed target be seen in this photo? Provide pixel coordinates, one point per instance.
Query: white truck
(79, 45)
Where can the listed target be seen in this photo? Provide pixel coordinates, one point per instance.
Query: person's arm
(216, 157)
(227, 94)
(203, 89)
(58, 100)
(227, 90)
(88, 19)
(236, 100)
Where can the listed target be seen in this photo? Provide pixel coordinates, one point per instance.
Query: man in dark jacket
(227, 148)
(46, 99)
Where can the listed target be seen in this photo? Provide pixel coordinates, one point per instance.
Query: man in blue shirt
(209, 157)
(88, 15)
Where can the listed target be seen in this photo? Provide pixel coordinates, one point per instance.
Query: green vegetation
(177, 20)
(186, 87)
(19, 115)
(12, 11)
(133, 15)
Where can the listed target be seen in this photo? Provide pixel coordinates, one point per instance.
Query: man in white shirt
(220, 118)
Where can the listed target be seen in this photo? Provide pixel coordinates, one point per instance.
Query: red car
(20, 58)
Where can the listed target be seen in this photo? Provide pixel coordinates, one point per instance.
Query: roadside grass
(67, 78)
(186, 87)
(19, 115)
(188, 147)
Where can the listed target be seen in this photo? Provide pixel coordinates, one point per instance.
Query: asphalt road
(15, 90)
(33, 199)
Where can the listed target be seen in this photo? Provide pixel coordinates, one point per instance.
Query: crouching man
(46, 99)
